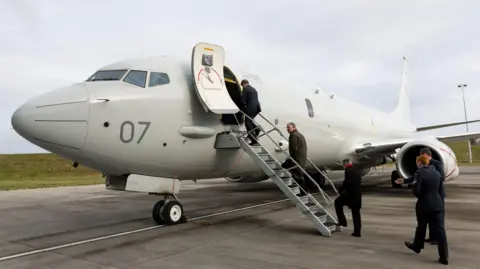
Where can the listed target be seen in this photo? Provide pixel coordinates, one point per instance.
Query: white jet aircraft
(149, 123)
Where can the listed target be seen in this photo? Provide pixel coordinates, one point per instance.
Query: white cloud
(353, 48)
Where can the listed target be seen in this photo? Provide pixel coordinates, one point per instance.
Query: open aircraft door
(207, 70)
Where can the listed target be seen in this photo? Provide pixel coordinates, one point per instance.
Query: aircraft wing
(387, 147)
(459, 137)
(431, 127)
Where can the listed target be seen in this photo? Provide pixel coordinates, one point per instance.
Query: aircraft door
(207, 71)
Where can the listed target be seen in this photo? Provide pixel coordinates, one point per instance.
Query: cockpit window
(136, 77)
(158, 79)
(105, 75)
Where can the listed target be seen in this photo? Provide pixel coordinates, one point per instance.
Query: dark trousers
(432, 236)
(250, 125)
(436, 220)
(340, 202)
(319, 179)
(297, 175)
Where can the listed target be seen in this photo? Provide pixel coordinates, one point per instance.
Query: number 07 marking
(127, 134)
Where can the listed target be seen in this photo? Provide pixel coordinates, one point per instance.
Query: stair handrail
(288, 156)
(318, 169)
(284, 137)
(323, 193)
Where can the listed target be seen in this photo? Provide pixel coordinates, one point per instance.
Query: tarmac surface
(276, 235)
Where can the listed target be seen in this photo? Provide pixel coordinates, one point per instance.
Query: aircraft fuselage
(142, 130)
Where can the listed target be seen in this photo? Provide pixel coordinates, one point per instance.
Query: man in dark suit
(251, 108)
(439, 167)
(297, 147)
(351, 196)
(430, 208)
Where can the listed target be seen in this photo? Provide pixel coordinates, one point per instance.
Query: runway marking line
(95, 239)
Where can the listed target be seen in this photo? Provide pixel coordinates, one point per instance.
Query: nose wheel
(168, 212)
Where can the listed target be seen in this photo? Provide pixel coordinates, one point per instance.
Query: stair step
(304, 198)
(280, 173)
(273, 165)
(258, 150)
(295, 189)
(287, 181)
(322, 216)
(265, 157)
(331, 226)
(315, 209)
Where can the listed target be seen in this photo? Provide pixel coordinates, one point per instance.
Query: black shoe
(442, 261)
(254, 143)
(410, 246)
(356, 235)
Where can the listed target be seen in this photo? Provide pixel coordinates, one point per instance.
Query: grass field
(24, 171)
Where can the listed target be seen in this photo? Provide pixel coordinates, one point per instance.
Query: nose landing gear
(168, 212)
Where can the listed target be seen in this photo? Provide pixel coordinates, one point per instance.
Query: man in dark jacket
(297, 147)
(351, 196)
(439, 167)
(252, 108)
(430, 208)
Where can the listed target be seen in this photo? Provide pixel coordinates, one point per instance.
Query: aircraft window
(105, 75)
(136, 77)
(310, 108)
(158, 79)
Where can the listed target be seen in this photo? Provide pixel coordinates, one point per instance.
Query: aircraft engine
(247, 179)
(365, 171)
(406, 163)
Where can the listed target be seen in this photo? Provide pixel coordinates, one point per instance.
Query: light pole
(466, 124)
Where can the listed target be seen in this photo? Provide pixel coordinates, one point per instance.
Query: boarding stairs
(323, 221)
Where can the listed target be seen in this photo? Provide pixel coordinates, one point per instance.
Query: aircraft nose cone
(20, 119)
(55, 120)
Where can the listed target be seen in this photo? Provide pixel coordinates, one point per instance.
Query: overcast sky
(353, 48)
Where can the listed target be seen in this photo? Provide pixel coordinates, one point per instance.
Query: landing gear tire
(169, 213)
(394, 177)
(157, 212)
(172, 213)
